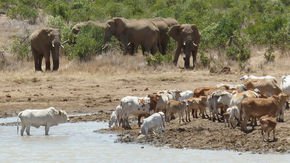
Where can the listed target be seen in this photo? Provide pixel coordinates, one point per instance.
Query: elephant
(163, 24)
(132, 33)
(187, 37)
(43, 42)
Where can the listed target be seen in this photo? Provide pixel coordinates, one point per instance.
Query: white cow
(234, 116)
(185, 95)
(153, 122)
(133, 105)
(42, 117)
(285, 84)
(253, 77)
(116, 117)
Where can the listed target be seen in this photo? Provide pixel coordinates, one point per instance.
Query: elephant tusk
(61, 45)
(66, 41)
(129, 44)
(184, 43)
(52, 44)
(194, 44)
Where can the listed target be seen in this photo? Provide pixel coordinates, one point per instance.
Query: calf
(153, 122)
(195, 104)
(233, 116)
(268, 124)
(258, 107)
(173, 107)
(116, 117)
(42, 117)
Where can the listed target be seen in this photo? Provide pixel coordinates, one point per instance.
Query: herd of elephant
(151, 34)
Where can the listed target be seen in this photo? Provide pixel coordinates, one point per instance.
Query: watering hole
(78, 142)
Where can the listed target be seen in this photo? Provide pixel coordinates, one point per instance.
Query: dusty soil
(97, 86)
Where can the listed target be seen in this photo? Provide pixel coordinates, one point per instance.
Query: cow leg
(274, 135)
(139, 120)
(262, 133)
(46, 129)
(28, 130)
(244, 124)
(22, 130)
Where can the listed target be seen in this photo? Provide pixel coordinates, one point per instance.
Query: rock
(127, 138)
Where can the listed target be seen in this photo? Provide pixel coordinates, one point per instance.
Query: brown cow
(173, 107)
(266, 87)
(268, 124)
(196, 104)
(258, 107)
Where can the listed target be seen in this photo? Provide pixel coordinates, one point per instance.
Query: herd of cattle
(258, 97)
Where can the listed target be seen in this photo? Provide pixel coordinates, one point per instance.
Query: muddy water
(76, 142)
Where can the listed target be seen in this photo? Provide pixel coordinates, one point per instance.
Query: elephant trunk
(55, 57)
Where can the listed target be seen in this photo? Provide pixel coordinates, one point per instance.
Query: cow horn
(194, 44)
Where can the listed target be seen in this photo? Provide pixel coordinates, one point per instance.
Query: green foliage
(88, 43)
(157, 59)
(204, 59)
(262, 22)
(236, 48)
(20, 47)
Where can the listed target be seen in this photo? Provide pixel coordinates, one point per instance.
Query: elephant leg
(55, 60)
(154, 49)
(40, 62)
(164, 44)
(177, 53)
(194, 53)
(186, 61)
(47, 62)
(37, 61)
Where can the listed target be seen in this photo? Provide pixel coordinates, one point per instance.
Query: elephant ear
(196, 34)
(174, 32)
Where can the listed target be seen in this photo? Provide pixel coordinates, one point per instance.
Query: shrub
(204, 59)
(88, 43)
(269, 56)
(20, 48)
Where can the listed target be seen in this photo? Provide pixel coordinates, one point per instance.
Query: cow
(156, 121)
(258, 107)
(203, 91)
(133, 105)
(266, 88)
(213, 105)
(253, 77)
(268, 124)
(193, 105)
(41, 117)
(285, 86)
(173, 107)
(159, 100)
(233, 118)
(116, 117)
(185, 95)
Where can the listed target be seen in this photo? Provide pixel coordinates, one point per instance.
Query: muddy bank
(205, 134)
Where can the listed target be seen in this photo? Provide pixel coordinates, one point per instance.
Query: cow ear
(174, 32)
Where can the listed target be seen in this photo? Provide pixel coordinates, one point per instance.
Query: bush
(88, 43)
(269, 56)
(204, 59)
(20, 48)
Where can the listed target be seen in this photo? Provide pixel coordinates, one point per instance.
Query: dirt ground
(96, 87)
